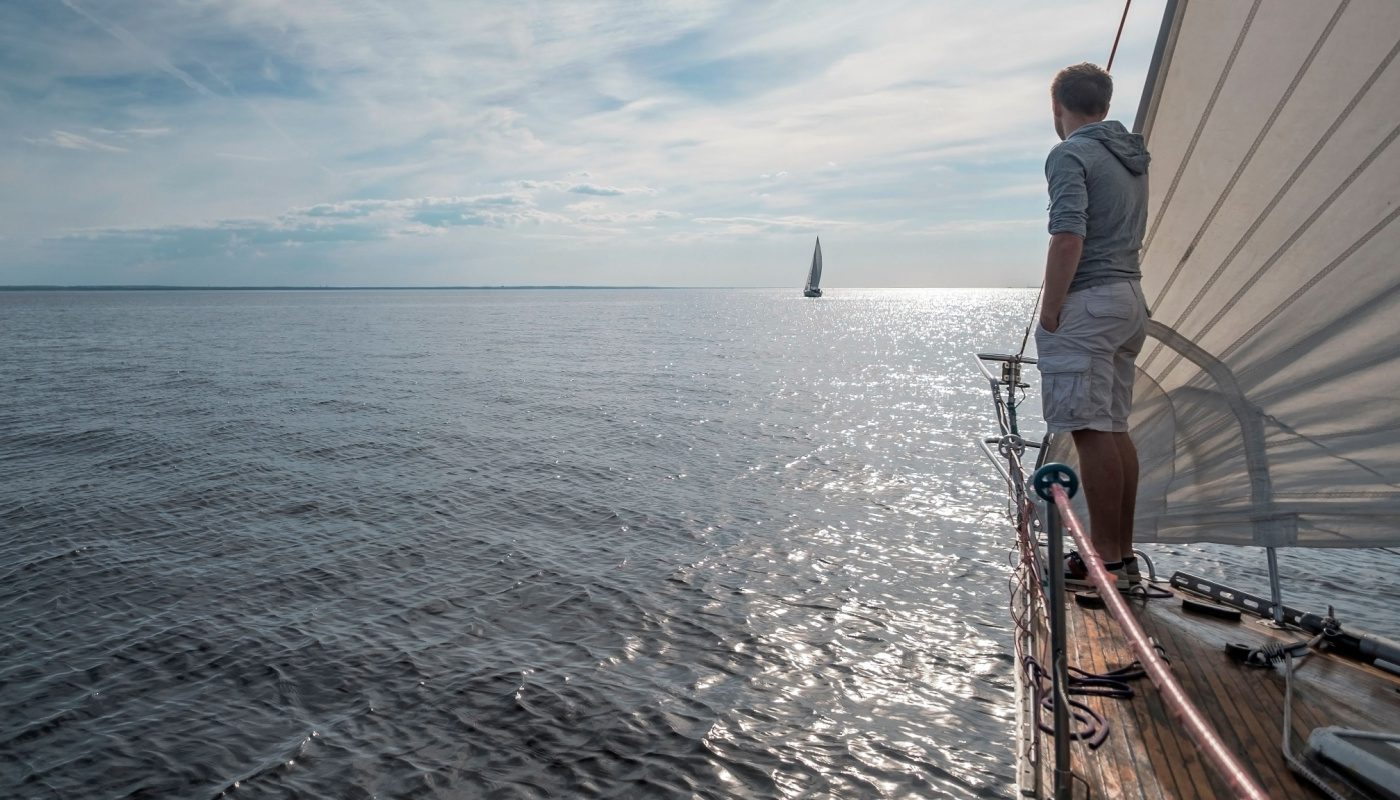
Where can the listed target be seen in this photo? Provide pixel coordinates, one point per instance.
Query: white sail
(1268, 395)
(814, 277)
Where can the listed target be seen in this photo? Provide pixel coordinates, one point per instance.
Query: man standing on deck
(1093, 317)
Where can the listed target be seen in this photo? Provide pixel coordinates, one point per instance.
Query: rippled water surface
(505, 544)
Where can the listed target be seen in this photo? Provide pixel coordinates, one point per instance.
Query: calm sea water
(512, 544)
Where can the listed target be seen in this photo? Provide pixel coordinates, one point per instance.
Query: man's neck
(1074, 122)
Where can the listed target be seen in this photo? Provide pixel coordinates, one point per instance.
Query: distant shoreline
(157, 288)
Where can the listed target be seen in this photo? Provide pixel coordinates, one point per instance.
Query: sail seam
(1344, 495)
(1249, 156)
(1288, 243)
(1200, 126)
(1324, 272)
(1293, 178)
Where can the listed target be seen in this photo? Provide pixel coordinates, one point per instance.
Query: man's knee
(1088, 437)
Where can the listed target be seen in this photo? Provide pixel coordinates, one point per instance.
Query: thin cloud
(791, 224)
(129, 39)
(131, 133)
(627, 217)
(164, 64)
(350, 221)
(593, 189)
(244, 157)
(72, 141)
(980, 226)
(600, 191)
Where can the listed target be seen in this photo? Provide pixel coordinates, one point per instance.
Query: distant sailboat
(814, 278)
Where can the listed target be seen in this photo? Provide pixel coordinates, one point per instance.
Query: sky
(675, 143)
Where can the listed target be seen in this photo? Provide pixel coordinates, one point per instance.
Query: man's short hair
(1084, 89)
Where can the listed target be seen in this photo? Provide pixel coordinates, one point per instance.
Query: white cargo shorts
(1087, 364)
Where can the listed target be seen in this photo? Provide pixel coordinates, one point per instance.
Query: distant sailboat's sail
(814, 278)
(1268, 394)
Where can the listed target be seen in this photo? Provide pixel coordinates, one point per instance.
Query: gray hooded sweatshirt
(1098, 190)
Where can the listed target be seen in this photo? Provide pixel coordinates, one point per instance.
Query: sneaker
(1077, 575)
(1123, 579)
(1130, 566)
(1076, 572)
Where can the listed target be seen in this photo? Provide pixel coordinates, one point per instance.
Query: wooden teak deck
(1147, 755)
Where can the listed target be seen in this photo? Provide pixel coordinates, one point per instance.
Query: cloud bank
(191, 139)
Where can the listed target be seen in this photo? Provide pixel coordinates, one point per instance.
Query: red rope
(1121, 22)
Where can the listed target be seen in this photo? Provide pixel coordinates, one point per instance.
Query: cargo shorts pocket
(1112, 311)
(1114, 301)
(1064, 384)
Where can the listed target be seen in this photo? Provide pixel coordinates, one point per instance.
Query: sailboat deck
(1148, 756)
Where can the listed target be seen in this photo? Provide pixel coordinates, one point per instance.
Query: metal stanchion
(1059, 671)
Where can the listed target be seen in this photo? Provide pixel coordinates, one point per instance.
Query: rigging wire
(1031, 322)
(1121, 23)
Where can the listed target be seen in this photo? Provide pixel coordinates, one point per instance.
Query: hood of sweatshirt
(1127, 147)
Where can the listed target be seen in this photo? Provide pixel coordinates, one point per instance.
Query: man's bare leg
(1101, 473)
(1128, 458)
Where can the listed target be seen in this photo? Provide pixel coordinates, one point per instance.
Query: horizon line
(136, 287)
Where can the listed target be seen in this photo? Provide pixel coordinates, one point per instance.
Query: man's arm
(1060, 266)
(1069, 224)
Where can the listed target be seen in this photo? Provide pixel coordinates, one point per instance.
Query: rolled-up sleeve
(1069, 199)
